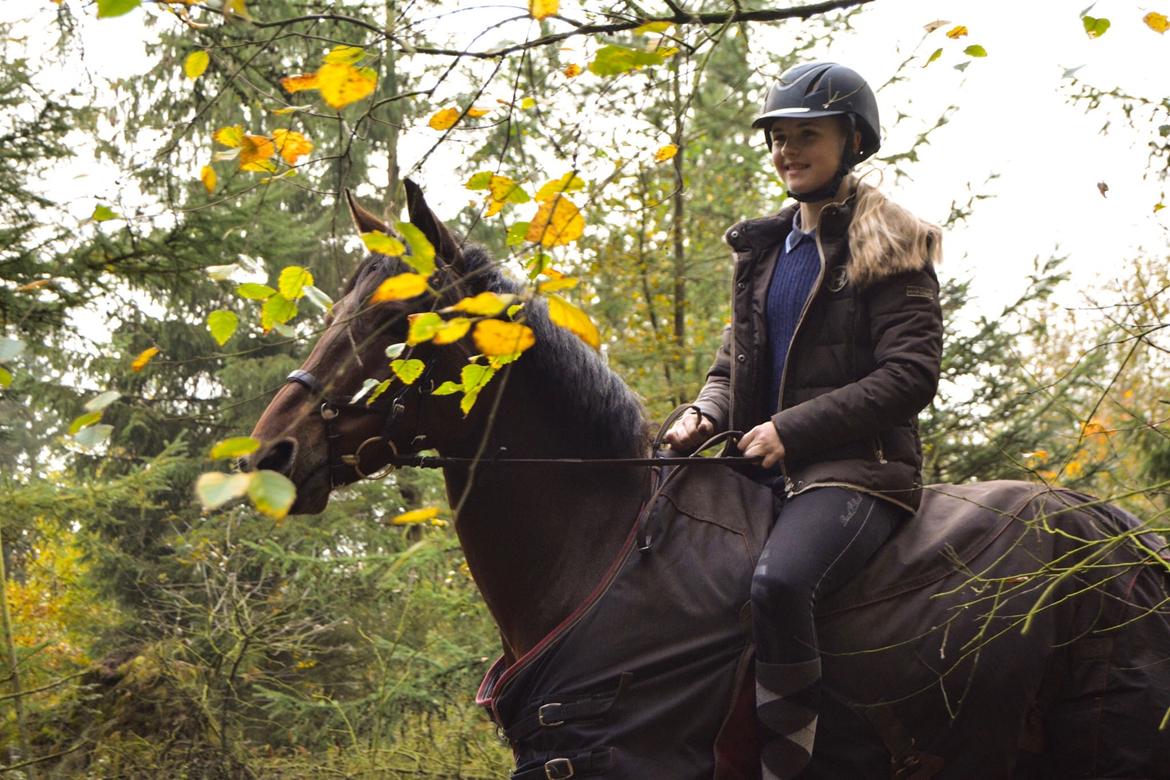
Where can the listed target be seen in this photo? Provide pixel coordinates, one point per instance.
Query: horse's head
(313, 430)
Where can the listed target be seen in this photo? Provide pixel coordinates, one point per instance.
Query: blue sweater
(795, 274)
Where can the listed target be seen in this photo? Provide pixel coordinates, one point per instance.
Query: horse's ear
(447, 246)
(363, 220)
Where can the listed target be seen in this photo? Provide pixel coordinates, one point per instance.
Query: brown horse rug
(979, 642)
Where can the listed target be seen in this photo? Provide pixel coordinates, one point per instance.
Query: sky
(1015, 122)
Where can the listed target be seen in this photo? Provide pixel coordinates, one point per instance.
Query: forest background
(150, 219)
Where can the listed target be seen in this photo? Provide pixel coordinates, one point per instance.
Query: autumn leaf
(291, 145)
(486, 304)
(570, 182)
(143, 358)
(84, 421)
(475, 112)
(542, 9)
(975, 50)
(407, 370)
(936, 24)
(344, 55)
(214, 489)
(652, 28)
(496, 337)
(400, 288)
(102, 213)
(293, 280)
(222, 324)
(299, 83)
(108, 8)
(557, 283)
(613, 60)
(423, 327)
(379, 242)
(1156, 22)
(474, 378)
(207, 176)
(455, 329)
(572, 70)
(195, 64)
(956, 32)
(272, 493)
(665, 153)
(255, 292)
(102, 400)
(342, 84)
(416, 516)
(422, 252)
(443, 119)
(1095, 27)
(276, 310)
(573, 320)
(229, 136)
(557, 222)
(934, 56)
(527, 103)
(235, 447)
(255, 151)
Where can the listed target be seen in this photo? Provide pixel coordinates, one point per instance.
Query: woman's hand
(688, 432)
(763, 441)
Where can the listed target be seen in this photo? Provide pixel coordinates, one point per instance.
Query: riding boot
(787, 704)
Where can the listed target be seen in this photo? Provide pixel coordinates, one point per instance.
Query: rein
(330, 409)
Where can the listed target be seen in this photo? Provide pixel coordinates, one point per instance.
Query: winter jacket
(864, 360)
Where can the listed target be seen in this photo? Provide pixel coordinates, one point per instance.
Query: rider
(833, 350)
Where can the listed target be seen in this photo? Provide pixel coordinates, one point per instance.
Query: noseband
(330, 409)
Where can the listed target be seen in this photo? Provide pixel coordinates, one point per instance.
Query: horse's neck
(539, 538)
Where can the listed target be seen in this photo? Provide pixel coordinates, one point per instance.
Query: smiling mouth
(794, 167)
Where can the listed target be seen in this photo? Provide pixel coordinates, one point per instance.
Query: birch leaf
(195, 64)
(574, 320)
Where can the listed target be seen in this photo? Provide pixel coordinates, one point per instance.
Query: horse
(1008, 630)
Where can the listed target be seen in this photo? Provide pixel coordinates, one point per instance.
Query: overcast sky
(1015, 120)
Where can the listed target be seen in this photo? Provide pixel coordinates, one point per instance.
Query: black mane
(574, 377)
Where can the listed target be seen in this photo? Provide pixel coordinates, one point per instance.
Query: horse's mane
(574, 378)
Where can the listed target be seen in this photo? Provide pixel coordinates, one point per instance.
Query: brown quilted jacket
(864, 362)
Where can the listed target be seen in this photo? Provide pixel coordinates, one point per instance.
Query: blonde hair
(885, 239)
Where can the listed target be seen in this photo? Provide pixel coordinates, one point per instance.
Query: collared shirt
(796, 235)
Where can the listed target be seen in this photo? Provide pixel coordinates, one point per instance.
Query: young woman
(833, 349)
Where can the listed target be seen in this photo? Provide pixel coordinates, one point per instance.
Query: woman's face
(806, 152)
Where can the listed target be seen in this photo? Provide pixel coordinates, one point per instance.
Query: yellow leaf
(557, 222)
(527, 103)
(540, 9)
(1159, 206)
(238, 8)
(665, 153)
(416, 516)
(570, 182)
(254, 149)
(486, 304)
(496, 337)
(342, 84)
(207, 176)
(444, 119)
(423, 327)
(400, 288)
(299, 83)
(554, 285)
(1156, 22)
(475, 112)
(454, 330)
(652, 28)
(377, 241)
(291, 145)
(572, 70)
(229, 136)
(956, 32)
(143, 358)
(195, 64)
(345, 55)
(573, 320)
(408, 370)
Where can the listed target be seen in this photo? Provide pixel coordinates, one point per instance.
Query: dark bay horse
(1008, 631)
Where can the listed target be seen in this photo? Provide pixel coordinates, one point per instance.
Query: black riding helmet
(825, 89)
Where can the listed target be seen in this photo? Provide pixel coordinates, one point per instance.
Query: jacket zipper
(789, 487)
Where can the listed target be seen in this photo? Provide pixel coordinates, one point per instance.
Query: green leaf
(293, 280)
(108, 8)
(480, 181)
(395, 350)
(277, 310)
(381, 388)
(379, 242)
(318, 298)
(99, 402)
(651, 28)
(367, 385)
(447, 388)
(934, 56)
(516, 233)
(1095, 27)
(344, 55)
(284, 330)
(422, 253)
(407, 370)
(518, 195)
(255, 292)
(103, 213)
(221, 273)
(5, 377)
(10, 348)
(235, 447)
(613, 60)
(423, 327)
(975, 50)
(84, 421)
(272, 493)
(214, 489)
(89, 438)
(222, 324)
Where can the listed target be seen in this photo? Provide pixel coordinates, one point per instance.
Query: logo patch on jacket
(914, 291)
(838, 279)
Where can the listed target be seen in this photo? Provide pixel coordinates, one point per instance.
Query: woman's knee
(774, 587)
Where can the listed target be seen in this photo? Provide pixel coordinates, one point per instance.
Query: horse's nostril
(279, 457)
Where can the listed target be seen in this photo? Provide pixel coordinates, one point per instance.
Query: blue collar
(796, 235)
